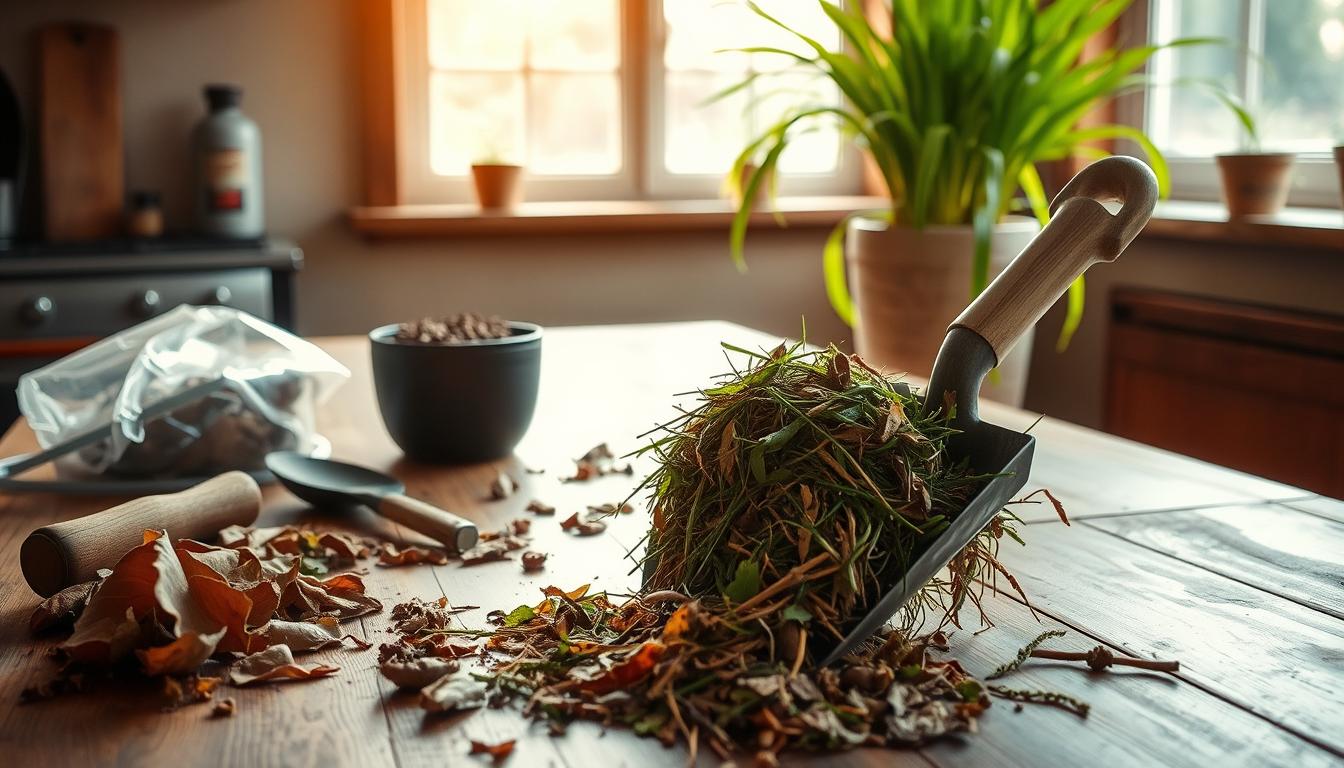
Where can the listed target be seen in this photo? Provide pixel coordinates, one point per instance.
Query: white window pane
(474, 117)
(468, 34)
(1302, 89)
(804, 16)
(574, 35)
(815, 147)
(702, 139)
(575, 124)
(1187, 119)
(696, 29)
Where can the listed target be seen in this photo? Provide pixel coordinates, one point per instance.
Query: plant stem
(1099, 658)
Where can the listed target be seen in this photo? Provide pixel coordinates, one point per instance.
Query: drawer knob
(220, 296)
(147, 303)
(37, 310)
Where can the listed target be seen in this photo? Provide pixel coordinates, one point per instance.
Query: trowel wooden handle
(1081, 232)
(56, 556)
(456, 533)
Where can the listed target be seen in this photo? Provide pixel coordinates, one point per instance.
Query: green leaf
(969, 690)
(745, 584)
(312, 566)
(1073, 314)
(796, 613)
(519, 615)
(650, 723)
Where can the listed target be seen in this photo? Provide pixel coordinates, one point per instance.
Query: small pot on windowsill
(1339, 166)
(1255, 183)
(499, 186)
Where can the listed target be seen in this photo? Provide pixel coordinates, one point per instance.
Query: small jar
(145, 219)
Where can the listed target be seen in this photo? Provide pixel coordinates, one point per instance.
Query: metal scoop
(1081, 232)
(325, 483)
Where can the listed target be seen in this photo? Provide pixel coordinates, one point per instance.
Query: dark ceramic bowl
(457, 402)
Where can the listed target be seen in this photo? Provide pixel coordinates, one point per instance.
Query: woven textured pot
(909, 285)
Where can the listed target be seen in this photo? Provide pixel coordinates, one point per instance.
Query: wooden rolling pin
(57, 556)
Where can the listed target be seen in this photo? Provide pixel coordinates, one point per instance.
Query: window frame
(642, 175)
(1315, 177)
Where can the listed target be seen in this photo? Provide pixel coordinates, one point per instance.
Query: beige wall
(296, 60)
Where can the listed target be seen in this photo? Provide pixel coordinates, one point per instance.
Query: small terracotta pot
(1339, 166)
(1255, 183)
(498, 185)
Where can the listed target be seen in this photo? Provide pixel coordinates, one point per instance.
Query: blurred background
(372, 113)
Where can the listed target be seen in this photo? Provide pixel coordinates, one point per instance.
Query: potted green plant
(954, 109)
(1254, 182)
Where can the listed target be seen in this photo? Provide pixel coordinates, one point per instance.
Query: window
(605, 99)
(1285, 61)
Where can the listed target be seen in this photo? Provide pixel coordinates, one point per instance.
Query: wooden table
(1239, 578)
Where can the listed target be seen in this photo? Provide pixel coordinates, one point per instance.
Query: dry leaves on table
(390, 555)
(496, 752)
(496, 545)
(321, 551)
(416, 673)
(224, 708)
(64, 607)
(276, 664)
(453, 692)
(582, 524)
(599, 461)
(533, 561)
(503, 486)
(176, 604)
(538, 507)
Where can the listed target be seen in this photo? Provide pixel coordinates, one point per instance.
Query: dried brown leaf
(322, 632)
(453, 692)
(62, 608)
(496, 752)
(276, 664)
(185, 654)
(389, 555)
(416, 673)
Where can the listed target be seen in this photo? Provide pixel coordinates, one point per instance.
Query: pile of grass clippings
(816, 479)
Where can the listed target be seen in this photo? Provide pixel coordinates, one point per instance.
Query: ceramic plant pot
(909, 285)
(457, 402)
(498, 185)
(1255, 183)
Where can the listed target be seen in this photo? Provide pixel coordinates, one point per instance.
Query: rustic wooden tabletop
(1237, 577)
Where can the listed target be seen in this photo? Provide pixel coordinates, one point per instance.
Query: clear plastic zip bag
(193, 392)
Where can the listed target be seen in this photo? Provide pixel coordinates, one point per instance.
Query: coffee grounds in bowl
(464, 326)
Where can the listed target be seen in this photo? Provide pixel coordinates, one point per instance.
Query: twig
(1100, 657)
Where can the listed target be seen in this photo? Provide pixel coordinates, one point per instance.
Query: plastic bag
(230, 387)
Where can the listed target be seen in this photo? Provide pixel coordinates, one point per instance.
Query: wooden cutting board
(83, 181)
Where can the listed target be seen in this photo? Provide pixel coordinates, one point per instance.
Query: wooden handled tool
(1081, 232)
(56, 556)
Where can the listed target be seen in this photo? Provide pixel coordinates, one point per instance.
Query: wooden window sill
(1203, 221)
(406, 221)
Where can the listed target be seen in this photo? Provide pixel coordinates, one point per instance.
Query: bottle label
(226, 176)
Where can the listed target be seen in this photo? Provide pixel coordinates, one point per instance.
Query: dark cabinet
(1260, 389)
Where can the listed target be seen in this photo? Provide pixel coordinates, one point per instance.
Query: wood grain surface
(1274, 548)
(1262, 670)
(1265, 654)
